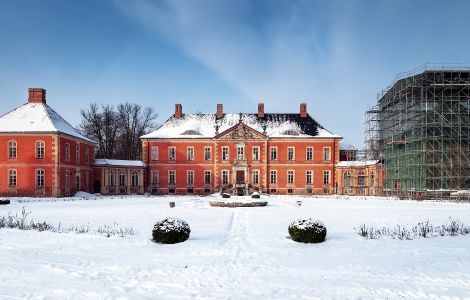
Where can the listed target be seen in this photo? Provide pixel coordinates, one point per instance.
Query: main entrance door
(240, 177)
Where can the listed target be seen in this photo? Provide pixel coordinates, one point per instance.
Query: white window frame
(225, 153)
(253, 148)
(273, 177)
(240, 152)
(190, 177)
(289, 153)
(206, 153)
(122, 178)
(135, 179)
(207, 172)
(225, 176)
(273, 153)
(290, 177)
(255, 175)
(67, 152)
(12, 149)
(154, 153)
(40, 149)
(12, 178)
(40, 178)
(309, 152)
(171, 153)
(326, 177)
(172, 174)
(326, 157)
(190, 153)
(77, 153)
(154, 177)
(309, 177)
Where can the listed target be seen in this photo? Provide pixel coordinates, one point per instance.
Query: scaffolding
(420, 129)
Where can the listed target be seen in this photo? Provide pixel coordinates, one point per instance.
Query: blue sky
(334, 55)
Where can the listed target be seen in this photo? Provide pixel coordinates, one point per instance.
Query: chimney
(303, 110)
(178, 111)
(36, 95)
(260, 110)
(220, 111)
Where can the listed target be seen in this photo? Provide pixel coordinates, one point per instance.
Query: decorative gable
(241, 132)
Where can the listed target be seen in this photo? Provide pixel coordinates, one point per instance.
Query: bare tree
(117, 132)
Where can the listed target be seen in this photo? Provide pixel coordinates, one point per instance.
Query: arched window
(361, 179)
(111, 178)
(122, 178)
(40, 146)
(134, 178)
(347, 179)
(12, 149)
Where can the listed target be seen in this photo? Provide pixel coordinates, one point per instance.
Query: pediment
(241, 132)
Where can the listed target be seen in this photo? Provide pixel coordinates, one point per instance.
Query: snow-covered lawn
(237, 253)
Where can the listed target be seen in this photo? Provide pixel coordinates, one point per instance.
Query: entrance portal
(240, 177)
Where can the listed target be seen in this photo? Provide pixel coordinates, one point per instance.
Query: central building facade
(276, 153)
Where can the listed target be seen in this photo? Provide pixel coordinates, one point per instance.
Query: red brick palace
(278, 153)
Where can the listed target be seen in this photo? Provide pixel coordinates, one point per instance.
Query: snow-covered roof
(277, 125)
(357, 163)
(37, 117)
(103, 162)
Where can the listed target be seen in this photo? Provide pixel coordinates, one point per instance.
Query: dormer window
(291, 132)
(190, 132)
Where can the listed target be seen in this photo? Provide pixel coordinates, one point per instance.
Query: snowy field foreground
(239, 253)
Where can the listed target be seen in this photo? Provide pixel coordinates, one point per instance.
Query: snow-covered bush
(307, 231)
(225, 195)
(255, 195)
(171, 231)
(4, 201)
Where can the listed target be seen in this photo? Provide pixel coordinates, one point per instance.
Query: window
(40, 178)
(12, 178)
(172, 177)
(171, 153)
(326, 177)
(134, 178)
(154, 153)
(190, 177)
(347, 179)
(190, 153)
(86, 178)
(67, 179)
(224, 177)
(111, 178)
(12, 149)
(361, 179)
(67, 152)
(309, 177)
(77, 181)
(240, 152)
(255, 177)
(372, 181)
(326, 153)
(122, 178)
(77, 153)
(207, 153)
(87, 155)
(309, 153)
(225, 153)
(40, 149)
(255, 153)
(273, 152)
(273, 177)
(207, 177)
(290, 153)
(154, 177)
(290, 177)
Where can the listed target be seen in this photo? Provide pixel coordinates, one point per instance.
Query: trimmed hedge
(171, 231)
(4, 201)
(307, 231)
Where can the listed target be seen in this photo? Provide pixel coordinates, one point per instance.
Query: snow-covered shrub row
(4, 201)
(19, 221)
(307, 231)
(422, 230)
(171, 231)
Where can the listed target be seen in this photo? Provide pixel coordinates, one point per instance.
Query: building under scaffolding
(420, 129)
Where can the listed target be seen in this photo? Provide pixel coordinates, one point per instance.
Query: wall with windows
(29, 165)
(365, 180)
(118, 180)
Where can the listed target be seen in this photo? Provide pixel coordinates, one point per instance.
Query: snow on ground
(234, 253)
